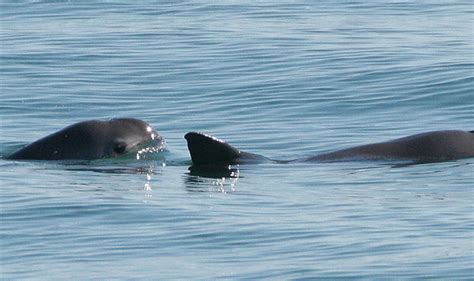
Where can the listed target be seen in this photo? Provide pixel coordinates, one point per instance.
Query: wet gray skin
(425, 147)
(93, 139)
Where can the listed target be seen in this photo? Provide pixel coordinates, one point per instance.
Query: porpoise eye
(119, 148)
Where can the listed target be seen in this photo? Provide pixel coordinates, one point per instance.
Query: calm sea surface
(285, 79)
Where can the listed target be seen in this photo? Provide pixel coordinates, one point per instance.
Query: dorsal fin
(207, 150)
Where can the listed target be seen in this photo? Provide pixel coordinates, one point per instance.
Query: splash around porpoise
(436, 146)
(93, 139)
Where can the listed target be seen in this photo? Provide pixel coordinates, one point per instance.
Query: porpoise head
(94, 139)
(127, 135)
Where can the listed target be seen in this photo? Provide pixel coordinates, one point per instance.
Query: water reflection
(143, 169)
(221, 179)
(146, 169)
(147, 186)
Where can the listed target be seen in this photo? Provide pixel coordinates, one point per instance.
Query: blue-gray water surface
(285, 79)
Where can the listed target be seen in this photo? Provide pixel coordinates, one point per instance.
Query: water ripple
(279, 78)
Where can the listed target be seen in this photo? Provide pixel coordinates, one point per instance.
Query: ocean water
(285, 79)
